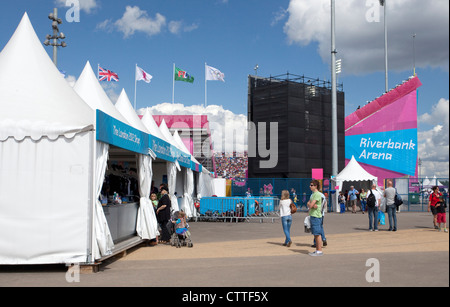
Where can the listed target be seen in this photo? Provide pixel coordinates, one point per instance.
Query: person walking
(435, 197)
(286, 217)
(389, 194)
(373, 204)
(353, 198)
(315, 212)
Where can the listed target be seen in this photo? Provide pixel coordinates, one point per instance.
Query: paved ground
(252, 255)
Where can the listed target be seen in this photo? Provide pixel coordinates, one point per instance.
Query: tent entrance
(120, 194)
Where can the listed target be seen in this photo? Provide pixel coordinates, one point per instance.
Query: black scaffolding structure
(302, 108)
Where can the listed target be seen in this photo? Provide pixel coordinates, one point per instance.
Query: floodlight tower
(56, 35)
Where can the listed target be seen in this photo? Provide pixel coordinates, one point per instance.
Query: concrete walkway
(252, 255)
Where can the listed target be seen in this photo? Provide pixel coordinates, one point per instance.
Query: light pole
(56, 35)
(383, 3)
(334, 126)
(256, 73)
(414, 53)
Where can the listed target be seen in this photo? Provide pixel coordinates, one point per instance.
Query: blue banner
(162, 149)
(114, 132)
(393, 150)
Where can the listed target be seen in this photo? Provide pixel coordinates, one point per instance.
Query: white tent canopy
(46, 139)
(352, 172)
(44, 106)
(152, 127)
(88, 87)
(124, 106)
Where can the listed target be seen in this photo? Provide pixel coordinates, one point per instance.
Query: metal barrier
(238, 208)
(415, 192)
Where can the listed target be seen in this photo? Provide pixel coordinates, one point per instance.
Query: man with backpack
(373, 203)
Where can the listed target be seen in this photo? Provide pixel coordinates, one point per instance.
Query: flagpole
(206, 89)
(173, 87)
(135, 86)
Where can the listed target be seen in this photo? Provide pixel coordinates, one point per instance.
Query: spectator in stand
(231, 167)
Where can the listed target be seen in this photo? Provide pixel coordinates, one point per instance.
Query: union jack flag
(107, 75)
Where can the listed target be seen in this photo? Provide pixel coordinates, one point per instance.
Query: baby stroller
(180, 235)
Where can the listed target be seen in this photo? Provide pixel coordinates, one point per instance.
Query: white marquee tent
(352, 172)
(54, 145)
(46, 142)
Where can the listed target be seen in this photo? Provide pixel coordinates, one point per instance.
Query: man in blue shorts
(315, 213)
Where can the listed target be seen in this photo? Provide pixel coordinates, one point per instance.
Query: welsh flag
(182, 75)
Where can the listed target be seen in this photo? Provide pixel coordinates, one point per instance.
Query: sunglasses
(312, 185)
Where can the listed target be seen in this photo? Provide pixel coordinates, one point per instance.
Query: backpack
(371, 200)
(398, 201)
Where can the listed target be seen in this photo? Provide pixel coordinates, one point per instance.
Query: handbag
(293, 208)
(307, 223)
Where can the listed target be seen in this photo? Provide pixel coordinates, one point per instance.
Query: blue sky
(234, 35)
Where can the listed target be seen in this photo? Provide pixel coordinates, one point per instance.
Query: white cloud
(279, 16)
(228, 130)
(360, 43)
(134, 19)
(86, 5)
(434, 143)
(176, 27)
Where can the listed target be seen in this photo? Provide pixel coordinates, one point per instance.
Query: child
(441, 215)
(154, 200)
(341, 200)
(181, 224)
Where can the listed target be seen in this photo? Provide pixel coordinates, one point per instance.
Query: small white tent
(352, 172)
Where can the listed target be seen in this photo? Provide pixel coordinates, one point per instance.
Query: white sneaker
(316, 254)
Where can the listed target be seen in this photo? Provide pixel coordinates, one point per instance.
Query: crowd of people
(371, 199)
(231, 166)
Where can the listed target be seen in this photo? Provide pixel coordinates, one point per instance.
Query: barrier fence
(415, 192)
(238, 208)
